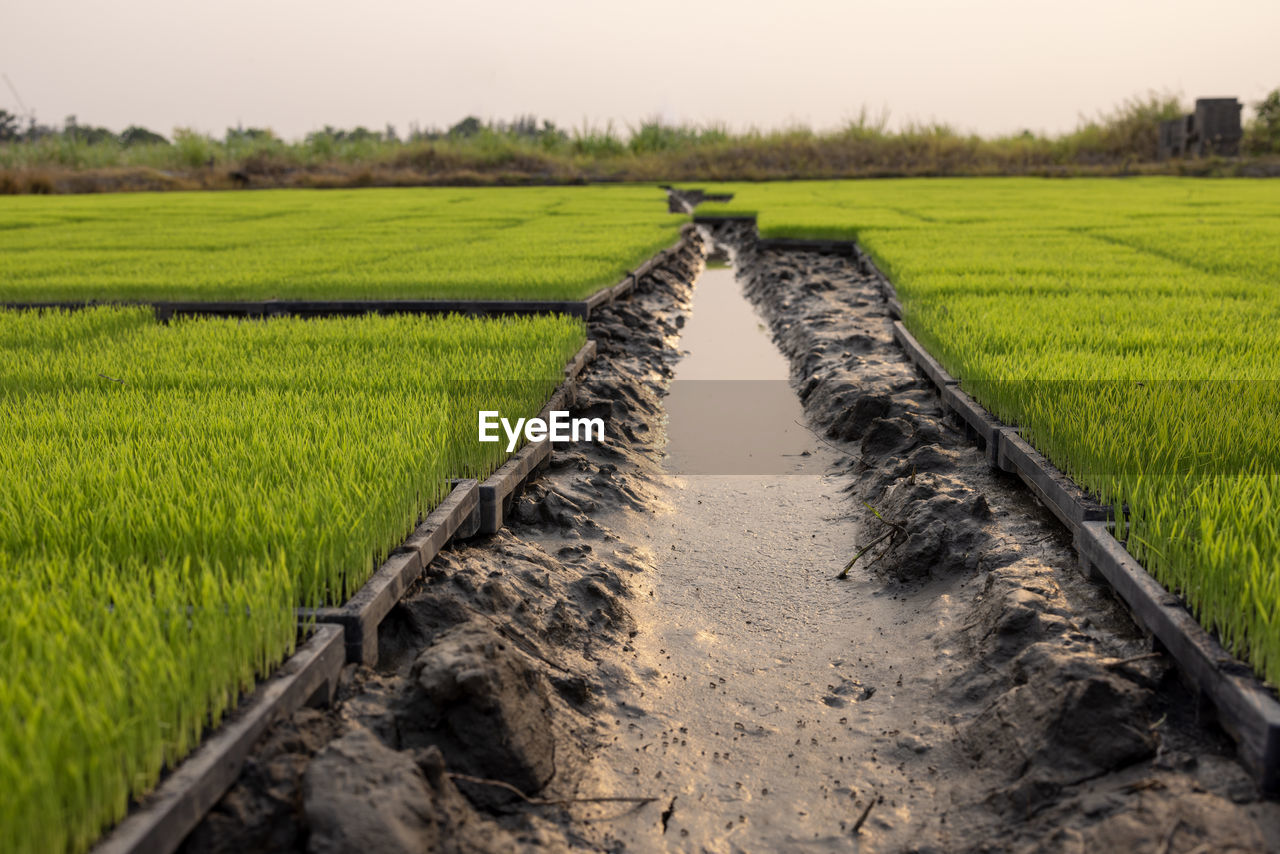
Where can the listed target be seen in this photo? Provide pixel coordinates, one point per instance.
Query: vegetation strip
(177, 805)
(78, 158)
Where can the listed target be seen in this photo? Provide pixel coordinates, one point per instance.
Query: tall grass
(1114, 142)
(171, 494)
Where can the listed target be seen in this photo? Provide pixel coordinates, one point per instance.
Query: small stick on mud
(857, 825)
(546, 802)
(892, 534)
(844, 573)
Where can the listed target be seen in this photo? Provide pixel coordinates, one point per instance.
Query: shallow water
(767, 712)
(731, 408)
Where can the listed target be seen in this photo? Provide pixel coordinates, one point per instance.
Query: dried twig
(892, 534)
(844, 452)
(545, 802)
(857, 825)
(844, 573)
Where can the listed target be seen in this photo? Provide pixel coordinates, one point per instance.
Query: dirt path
(765, 712)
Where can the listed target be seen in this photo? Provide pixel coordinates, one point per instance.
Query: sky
(987, 66)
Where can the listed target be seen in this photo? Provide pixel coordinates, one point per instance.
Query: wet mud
(643, 630)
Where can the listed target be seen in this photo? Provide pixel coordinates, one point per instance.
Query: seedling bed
(471, 508)
(1245, 707)
(257, 309)
(458, 515)
(166, 815)
(501, 488)
(343, 634)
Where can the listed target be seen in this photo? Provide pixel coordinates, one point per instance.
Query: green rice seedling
(1129, 328)
(534, 243)
(172, 493)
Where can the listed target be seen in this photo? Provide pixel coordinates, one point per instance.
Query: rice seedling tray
(931, 367)
(167, 310)
(461, 515)
(844, 248)
(1054, 489)
(977, 421)
(501, 488)
(725, 219)
(166, 815)
(360, 617)
(1245, 708)
(431, 244)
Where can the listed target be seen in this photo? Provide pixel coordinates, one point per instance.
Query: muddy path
(661, 622)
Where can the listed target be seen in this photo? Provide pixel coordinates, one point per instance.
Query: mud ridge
(495, 664)
(1065, 732)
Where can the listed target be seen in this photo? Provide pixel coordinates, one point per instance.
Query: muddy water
(773, 704)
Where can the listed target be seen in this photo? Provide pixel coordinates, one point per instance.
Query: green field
(546, 243)
(1131, 328)
(172, 493)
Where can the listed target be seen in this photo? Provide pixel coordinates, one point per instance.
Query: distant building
(1214, 128)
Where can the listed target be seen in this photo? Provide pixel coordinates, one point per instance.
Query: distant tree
(390, 134)
(73, 130)
(37, 131)
(8, 126)
(95, 136)
(239, 134)
(470, 126)
(138, 135)
(1263, 135)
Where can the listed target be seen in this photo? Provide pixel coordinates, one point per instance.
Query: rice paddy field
(535, 243)
(172, 494)
(1130, 328)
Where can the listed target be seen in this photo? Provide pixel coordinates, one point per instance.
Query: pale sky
(992, 66)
